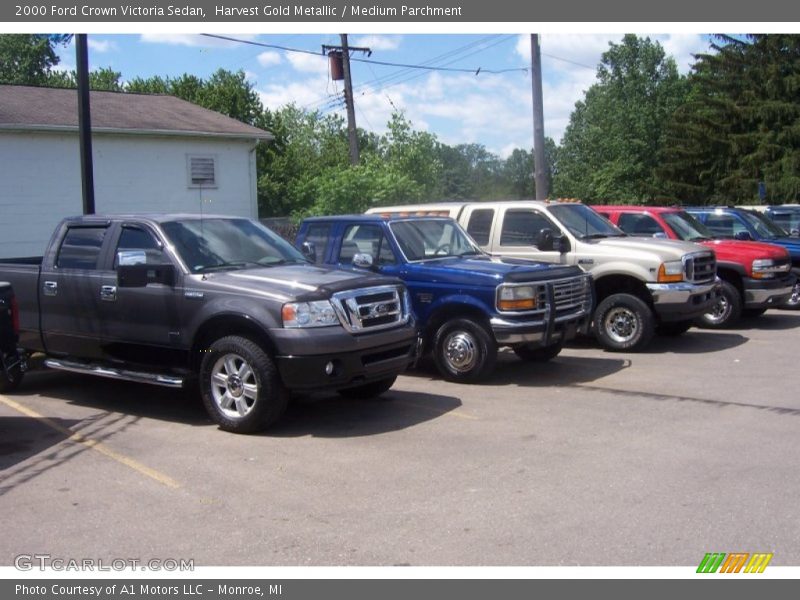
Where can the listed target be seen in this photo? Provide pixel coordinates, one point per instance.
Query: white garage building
(152, 153)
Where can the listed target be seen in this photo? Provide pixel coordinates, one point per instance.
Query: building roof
(56, 109)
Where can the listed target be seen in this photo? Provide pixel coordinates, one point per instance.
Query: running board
(101, 371)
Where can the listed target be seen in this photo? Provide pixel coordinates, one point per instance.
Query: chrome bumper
(679, 293)
(767, 297)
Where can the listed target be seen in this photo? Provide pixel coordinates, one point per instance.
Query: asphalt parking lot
(593, 459)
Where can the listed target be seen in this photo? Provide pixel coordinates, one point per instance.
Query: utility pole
(343, 52)
(85, 124)
(539, 161)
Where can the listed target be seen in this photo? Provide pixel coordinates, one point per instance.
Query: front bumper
(381, 355)
(682, 301)
(763, 293)
(545, 331)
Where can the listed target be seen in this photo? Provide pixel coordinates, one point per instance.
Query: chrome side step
(111, 373)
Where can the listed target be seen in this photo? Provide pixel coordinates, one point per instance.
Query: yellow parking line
(451, 413)
(100, 447)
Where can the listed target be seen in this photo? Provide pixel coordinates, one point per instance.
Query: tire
(726, 311)
(464, 351)
(240, 386)
(534, 353)
(9, 384)
(624, 323)
(793, 303)
(674, 329)
(753, 312)
(368, 390)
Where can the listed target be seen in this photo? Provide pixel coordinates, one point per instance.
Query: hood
(737, 251)
(488, 270)
(792, 244)
(657, 249)
(286, 283)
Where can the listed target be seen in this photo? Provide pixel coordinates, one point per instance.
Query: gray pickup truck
(163, 299)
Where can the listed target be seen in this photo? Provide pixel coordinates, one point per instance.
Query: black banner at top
(399, 11)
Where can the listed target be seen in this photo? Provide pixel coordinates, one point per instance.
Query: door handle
(50, 288)
(108, 293)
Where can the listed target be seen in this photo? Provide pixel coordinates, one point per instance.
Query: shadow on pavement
(23, 437)
(772, 320)
(338, 417)
(562, 370)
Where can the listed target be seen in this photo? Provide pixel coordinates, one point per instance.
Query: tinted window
(480, 225)
(639, 224)
(81, 248)
(520, 227)
(319, 234)
(135, 241)
(724, 225)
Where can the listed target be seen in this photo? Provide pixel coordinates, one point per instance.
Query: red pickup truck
(755, 276)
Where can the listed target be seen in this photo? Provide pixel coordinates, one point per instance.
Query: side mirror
(544, 240)
(309, 251)
(561, 244)
(362, 261)
(795, 233)
(135, 276)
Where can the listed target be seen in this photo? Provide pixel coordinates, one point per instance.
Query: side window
(520, 227)
(366, 239)
(480, 225)
(724, 225)
(639, 224)
(137, 246)
(319, 234)
(81, 248)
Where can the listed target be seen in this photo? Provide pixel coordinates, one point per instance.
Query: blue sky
(489, 109)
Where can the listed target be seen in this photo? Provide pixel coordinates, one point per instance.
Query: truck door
(521, 236)
(140, 324)
(70, 292)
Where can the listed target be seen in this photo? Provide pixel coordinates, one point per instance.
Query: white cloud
(309, 63)
(100, 46)
(194, 40)
(314, 93)
(682, 47)
(378, 42)
(269, 58)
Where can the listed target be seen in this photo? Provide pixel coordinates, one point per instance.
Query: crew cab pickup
(640, 285)
(11, 365)
(755, 276)
(164, 298)
(467, 302)
(737, 223)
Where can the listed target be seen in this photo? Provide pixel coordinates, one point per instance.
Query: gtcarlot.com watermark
(44, 562)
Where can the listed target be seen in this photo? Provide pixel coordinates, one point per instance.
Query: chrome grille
(572, 294)
(371, 309)
(700, 267)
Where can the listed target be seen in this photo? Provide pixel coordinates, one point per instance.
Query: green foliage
(610, 147)
(740, 125)
(26, 59)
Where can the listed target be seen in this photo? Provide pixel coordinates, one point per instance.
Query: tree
(610, 147)
(27, 59)
(740, 125)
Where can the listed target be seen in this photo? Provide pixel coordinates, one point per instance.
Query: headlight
(517, 297)
(670, 272)
(319, 313)
(765, 268)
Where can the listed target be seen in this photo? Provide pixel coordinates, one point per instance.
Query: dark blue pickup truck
(467, 302)
(742, 224)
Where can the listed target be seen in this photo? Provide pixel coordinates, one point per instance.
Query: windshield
(762, 225)
(220, 244)
(786, 218)
(583, 222)
(686, 227)
(422, 239)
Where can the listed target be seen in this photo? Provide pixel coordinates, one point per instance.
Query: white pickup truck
(642, 286)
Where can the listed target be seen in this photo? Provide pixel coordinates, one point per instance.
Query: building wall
(40, 181)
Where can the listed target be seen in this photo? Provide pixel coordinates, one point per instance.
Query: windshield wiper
(225, 265)
(594, 236)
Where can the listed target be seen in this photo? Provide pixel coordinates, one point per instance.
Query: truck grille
(371, 309)
(700, 267)
(569, 295)
(572, 294)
